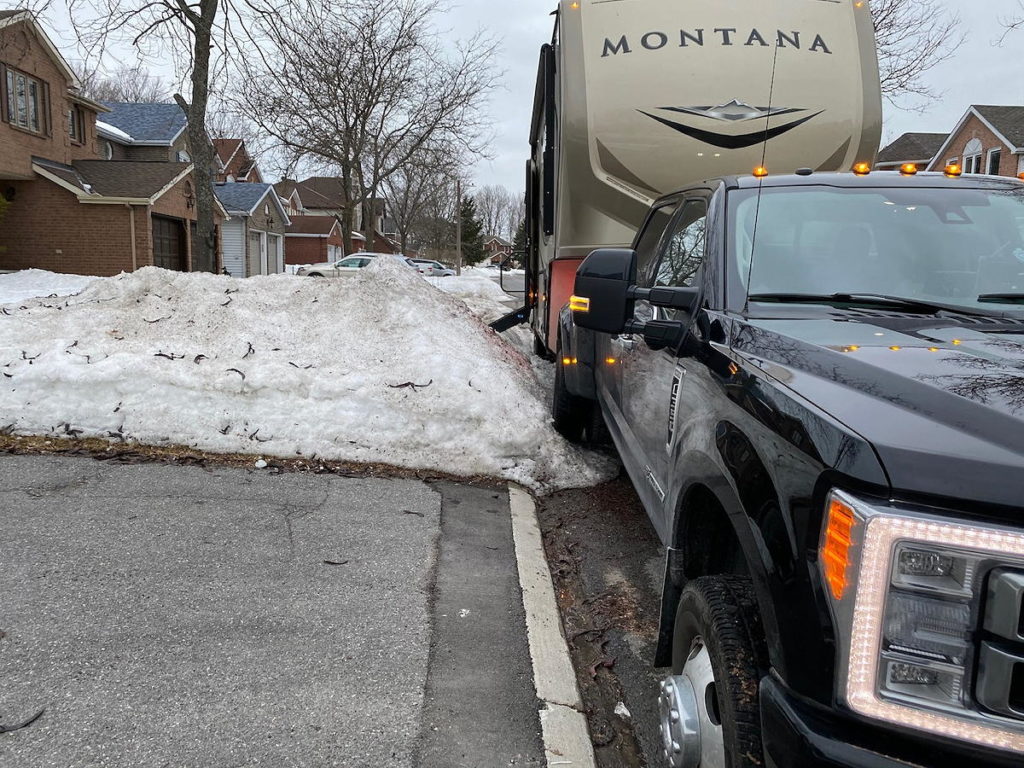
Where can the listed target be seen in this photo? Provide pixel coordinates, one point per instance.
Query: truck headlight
(911, 621)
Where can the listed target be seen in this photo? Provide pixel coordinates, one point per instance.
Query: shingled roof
(1008, 121)
(157, 124)
(241, 198)
(321, 226)
(912, 148)
(125, 178)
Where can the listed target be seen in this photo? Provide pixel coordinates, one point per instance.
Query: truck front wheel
(709, 706)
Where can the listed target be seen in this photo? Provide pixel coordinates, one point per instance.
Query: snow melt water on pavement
(377, 367)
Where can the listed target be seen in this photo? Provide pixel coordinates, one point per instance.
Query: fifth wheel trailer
(636, 98)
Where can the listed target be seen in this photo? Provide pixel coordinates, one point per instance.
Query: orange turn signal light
(1020, 176)
(579, 303)
(862, 169)
(835, 551)
(908, 169)
(953, 170)
(760, 172)
(611, 360)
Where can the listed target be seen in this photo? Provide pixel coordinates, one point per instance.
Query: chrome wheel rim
(691, 725)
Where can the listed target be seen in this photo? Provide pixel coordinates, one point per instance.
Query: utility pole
(458, 227)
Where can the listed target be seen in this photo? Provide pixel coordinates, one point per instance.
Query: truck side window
(647, 245)
(683, 252)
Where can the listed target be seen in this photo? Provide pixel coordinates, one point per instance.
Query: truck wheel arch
(709, 517)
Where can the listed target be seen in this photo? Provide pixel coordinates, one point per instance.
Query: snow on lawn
(30, 283)
(378, 367)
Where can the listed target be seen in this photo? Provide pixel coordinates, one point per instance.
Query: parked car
(348, 265)
(433, 268)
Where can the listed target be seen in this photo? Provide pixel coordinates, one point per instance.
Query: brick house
(988, 139)
(917, 148)
(497, 248)
(313, 240)
(79, 200)
(325, 196)
(253, 238)
(235, 162)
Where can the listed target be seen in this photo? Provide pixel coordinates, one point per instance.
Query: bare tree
(412, 188)
(1012, 23)
(128, 83)
(190, 31)
(912, 36)
(360, 86)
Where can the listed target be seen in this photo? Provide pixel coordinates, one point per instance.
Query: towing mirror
(602, 299)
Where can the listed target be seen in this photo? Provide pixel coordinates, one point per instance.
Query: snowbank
(470, 286)
(380, 367)
(30, 283)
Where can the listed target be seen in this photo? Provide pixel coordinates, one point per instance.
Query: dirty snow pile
(378, 367)
(481, 294)
(30, 283)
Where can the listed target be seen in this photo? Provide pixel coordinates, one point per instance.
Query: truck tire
(569, 412)
(709, 706)
(596, 429)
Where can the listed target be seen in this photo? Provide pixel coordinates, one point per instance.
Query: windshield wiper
(866, 299)
(1002, 298)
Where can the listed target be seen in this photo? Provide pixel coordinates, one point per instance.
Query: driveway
(178, 616)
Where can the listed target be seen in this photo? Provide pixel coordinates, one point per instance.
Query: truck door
(611, 350)
(654, 382)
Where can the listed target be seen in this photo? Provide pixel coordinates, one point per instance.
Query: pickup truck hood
(942, 404)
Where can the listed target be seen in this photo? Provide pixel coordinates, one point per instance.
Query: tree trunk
(204, 259)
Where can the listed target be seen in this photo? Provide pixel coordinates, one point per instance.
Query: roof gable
(242, 198)
(1007, 121)
(11, 17)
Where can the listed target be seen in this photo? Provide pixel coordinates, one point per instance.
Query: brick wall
(22, 50)
(976, 129)
(305, 250)
(47, 228)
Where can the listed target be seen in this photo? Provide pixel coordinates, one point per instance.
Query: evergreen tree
(472, 234)
(519, 244)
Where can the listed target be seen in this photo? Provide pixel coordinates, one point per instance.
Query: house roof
(242, 198)
(322, 192)
(126, 178)
(912, 147)
(226, 148)
(1008, 121)
(158, 124)
(313, 225)
(497, 238)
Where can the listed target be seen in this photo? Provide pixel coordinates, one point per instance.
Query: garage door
(168, 243)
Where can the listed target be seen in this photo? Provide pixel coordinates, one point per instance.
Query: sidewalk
(169, 615)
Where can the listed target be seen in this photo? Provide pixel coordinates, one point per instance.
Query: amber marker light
(908, 169)
(862, 169)
(579, 303)
(611, 360)
(574, 5)
(895, 349)
(835, 550)
(953, 171)
(933, 349)
(760, 172)
(957, 342)
(1020, 176)
(566, 361)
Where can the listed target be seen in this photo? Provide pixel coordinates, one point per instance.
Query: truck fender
(578, 345)
(707, 477)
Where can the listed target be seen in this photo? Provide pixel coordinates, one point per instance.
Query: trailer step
(511, 320)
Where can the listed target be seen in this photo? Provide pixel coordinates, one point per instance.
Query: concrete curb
(566, 739)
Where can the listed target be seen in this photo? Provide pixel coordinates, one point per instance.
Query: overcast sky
(980, 73)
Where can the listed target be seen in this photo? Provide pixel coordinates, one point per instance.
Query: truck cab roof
(874, 180)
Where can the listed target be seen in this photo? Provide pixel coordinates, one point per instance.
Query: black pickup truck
(816, 384)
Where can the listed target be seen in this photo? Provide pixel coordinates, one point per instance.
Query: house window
(183, 157)
(972, 157)
(76, 124)
(25, 101)
(994, 157)
(108, 150)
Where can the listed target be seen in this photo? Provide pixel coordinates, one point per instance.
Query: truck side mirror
(602, 298)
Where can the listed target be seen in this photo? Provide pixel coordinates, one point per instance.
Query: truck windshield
(956, 247)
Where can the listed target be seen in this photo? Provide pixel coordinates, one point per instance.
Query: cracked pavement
(185, 616)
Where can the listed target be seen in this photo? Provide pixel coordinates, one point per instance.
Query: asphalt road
(179, 616)
(514, 285)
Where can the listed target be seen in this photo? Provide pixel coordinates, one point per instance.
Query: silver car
(348, 265)
(432, 268)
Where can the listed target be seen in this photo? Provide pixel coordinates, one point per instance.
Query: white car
(348, 265)
(433, 268)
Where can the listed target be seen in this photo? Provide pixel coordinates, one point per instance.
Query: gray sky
(980, 73)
